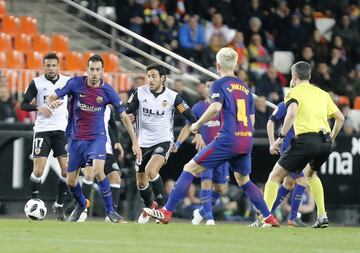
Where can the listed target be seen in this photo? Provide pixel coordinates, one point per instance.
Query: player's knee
(114, 177)
(301, 181)
(193, 168)
(206, 185)
(141, 181)
(220, 188)
(71, 182)
(289, 183)
(241, 179)
(38, 173)
(151, 173)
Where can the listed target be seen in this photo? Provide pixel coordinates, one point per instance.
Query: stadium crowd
(256, 29)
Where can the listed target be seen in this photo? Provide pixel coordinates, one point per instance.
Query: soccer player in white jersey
(154, 105)
(111, 169)
(49, 129)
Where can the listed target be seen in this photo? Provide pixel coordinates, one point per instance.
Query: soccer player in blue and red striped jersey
(86, 132)
(216, 178)
(234, 101)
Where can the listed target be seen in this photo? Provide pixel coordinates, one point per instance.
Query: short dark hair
(302, 69)
(51, 56)
(96, 58)
(160, 68)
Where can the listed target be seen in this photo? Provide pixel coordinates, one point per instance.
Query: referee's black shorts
(306, 148)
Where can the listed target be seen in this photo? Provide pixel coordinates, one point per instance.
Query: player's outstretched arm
(183, 135)
(270, 128)
(210, 113)
(130, 129)
(53, 101)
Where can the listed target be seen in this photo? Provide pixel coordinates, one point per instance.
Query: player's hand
(273, 151)
(194, 128)
(137, 152)
(278, 143)
(45, 111)
(119, 148)
(55, 104)
(131, 117)
(199, 142)
(174, 149)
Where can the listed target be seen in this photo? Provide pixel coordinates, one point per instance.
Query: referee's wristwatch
(281, 136)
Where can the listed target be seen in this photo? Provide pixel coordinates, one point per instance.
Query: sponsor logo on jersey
(152, 112)
(164, 103)
(144, 100)
(99, 99)
(88, 108)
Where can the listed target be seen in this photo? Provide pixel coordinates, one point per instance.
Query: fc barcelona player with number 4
(234, 100)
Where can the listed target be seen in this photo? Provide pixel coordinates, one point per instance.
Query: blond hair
(227, 58)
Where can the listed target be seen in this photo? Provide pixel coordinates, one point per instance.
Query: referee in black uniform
(308, 109)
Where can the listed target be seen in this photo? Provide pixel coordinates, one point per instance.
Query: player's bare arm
(288, 122)
(53, 101)
(184, 134)
(130, 129)
(213, 110)
(270, 132)
(339, 122)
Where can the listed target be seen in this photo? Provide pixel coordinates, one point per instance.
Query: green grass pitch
(20, 235)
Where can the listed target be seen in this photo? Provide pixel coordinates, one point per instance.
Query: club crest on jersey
(164, 103)
(159, 150)
(99, 99)
(37, 150)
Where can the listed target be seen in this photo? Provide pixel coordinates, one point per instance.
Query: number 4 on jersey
(241, 111)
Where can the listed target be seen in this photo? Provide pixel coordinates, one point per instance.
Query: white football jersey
(155, 116)
(59, 118)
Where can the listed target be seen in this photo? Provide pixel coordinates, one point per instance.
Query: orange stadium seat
(11, 25)
(41, 43)
(62, 61)
(86, 56)
(111, 62)
(5, 42)
(60, 43)
(123, 82)
(74, 61)
(357, 103)
(26, 76)
(12, 77)
(343, 100)
(2, 9)
(34, 60)
(28, 25)
(23, 42)
(3, 61)
(15, 59)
